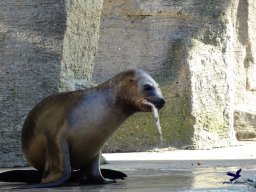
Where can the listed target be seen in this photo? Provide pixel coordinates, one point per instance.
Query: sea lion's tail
(23, 176)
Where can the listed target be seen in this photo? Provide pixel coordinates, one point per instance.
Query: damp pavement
(177, 170)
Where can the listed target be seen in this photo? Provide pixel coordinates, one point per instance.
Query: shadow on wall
(31, 35)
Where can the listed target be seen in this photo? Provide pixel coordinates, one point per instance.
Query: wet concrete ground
(174, 171)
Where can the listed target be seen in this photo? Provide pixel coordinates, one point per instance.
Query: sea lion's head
(138, 86)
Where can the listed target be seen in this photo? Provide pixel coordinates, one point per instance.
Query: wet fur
(66, 131)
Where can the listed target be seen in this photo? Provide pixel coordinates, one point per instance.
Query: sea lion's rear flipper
(113, 174)
(24, 176)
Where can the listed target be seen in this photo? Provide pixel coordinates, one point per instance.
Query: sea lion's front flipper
(113, 174)
(57, 168)
(91, 174)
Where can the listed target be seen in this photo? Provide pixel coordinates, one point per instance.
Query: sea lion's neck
(106, 113)
(116, 98)
(123, 100)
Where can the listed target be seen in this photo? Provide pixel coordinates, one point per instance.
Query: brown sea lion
(66, 131)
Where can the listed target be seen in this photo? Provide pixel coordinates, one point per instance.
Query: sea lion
(66, 131)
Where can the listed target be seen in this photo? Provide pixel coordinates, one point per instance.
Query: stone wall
(31, 36)
(202, 53)
(189, 48)
(79, 43)
(244, 13)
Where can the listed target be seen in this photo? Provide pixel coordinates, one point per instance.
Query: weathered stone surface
(245, 51)
(141, 33)
(244, 45)
(245, 125)
(185, 46)
(209, 96)
(79, 43)
(31, 35)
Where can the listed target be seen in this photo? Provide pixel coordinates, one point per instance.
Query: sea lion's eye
(148, 87)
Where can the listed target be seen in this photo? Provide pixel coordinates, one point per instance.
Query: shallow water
(168, 176)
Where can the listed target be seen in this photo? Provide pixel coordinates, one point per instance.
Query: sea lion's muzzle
(159, 103)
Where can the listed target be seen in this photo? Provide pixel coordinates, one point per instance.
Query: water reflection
(165, 176)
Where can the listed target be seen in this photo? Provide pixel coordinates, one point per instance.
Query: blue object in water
(234, 175)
